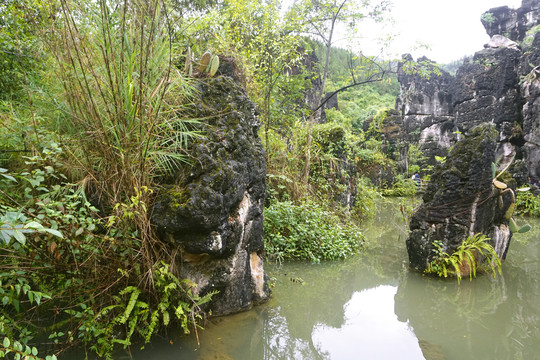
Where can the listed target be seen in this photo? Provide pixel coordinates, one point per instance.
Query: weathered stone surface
(498, 85)
(423, 91)
(460, 201)
(487, 90)
(530, 91)
(427, 107)
(213, 210)
(512, 23)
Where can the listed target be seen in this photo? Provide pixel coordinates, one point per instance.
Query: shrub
(401, 187)
(366, 195)
(307, 232)
(527, 204)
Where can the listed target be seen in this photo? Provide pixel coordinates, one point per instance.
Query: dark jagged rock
(487, 90)
(426, 106)
(498, 85)
(512, 23)
(460, 201)
(530, 90)
(212, 211)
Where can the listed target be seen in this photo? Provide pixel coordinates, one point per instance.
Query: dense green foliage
(57, 253)
(308, 232)
(114, 101)
(527, 204)
(401, 187)
(21, 51)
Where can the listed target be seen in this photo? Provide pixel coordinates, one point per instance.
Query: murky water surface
(374, 307)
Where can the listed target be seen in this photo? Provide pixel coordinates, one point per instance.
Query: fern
(465, 256)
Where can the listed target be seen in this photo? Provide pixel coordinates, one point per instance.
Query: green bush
(401, 187)
(53, 242)
(527, 204)
(307, 232)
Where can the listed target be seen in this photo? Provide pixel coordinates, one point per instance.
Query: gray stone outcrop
(498, 85)
(461, 201)
(212, 211)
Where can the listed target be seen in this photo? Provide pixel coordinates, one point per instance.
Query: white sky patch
(442, 30)
(371, 330)
(449, 29)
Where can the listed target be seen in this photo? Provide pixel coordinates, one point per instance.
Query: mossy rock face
(212, 210)
(460, 200)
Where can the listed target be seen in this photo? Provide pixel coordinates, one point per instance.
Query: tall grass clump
(124, 98)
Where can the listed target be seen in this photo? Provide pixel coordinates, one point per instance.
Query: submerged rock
(461, 201)
(212, 211)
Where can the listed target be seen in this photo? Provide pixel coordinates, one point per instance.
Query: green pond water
(373, 307)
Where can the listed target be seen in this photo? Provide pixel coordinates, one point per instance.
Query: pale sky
(451, 28)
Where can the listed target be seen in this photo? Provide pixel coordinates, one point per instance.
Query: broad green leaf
(54, 232)
(19, 236)
(9, 177)
(33, 225)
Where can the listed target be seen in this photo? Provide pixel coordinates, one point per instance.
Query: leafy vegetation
(527, 204)
(465, 259)
(79, 261)
(401, 187)
(58, 253)
(308, 232)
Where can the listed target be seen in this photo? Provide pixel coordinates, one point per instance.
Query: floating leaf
(524, 228)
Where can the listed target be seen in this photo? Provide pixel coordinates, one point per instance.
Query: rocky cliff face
(213, 211)
(497, 86)
(512, 23)
(488, 113)
(426, 106)
(461, 201)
